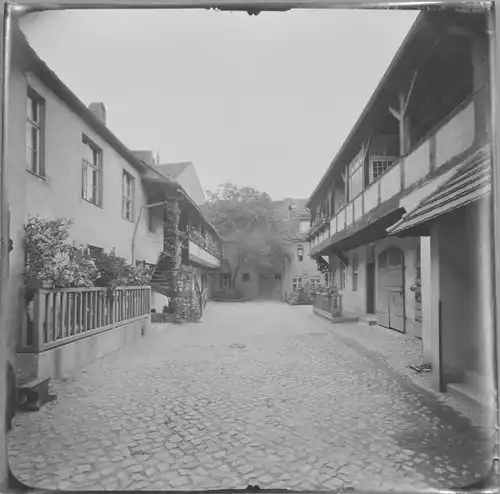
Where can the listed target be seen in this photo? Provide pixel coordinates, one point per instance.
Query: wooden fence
(66, 314)
(331, 304)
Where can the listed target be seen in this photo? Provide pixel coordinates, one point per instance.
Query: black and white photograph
(248, 249)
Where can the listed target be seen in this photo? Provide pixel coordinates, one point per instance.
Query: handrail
(63, 315)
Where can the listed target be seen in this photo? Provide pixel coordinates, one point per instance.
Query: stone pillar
(172, 249)
(426, 286)
(435, 310)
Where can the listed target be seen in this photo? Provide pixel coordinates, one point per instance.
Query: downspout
(137, 224)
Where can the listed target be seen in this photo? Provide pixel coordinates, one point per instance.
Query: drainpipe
(137, 224)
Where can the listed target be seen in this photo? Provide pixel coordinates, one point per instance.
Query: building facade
(388, 215)
(300, 269)
(64, 162)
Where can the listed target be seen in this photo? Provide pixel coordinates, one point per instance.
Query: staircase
(159, 279)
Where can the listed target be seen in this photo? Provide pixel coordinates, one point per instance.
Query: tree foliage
(251, 221)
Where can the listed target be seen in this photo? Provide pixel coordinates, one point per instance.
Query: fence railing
(329, 303)
(61, 315)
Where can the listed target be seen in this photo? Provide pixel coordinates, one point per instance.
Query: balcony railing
(63, 315)
(205, 242)
(453, 136)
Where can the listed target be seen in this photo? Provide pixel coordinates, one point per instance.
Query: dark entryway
(370, 287)
(269, 287)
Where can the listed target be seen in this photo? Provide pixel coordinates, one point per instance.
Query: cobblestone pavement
(257, 393)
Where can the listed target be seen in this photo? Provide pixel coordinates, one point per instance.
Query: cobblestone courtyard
(257, 393)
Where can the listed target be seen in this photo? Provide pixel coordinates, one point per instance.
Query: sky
(264, 101)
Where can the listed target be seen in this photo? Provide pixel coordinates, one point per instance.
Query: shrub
(50, 259)
(114, 271)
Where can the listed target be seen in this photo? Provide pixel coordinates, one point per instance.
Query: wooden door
(390, 290)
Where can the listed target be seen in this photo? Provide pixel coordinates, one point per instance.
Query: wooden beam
(402, 135)
(410, 92)
(395, 113)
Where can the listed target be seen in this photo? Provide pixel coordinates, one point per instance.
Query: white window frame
(315, 281)
(296, 282)
(92, 192)
(37, 124)
(379, 165)
(128, 183)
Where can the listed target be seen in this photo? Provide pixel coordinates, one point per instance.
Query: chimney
(146, 156)
(99, 111)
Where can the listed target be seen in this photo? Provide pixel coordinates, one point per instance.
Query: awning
(471, 181)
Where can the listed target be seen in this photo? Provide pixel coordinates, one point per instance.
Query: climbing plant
(323, 267)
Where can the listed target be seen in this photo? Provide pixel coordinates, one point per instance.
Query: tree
(251, 220)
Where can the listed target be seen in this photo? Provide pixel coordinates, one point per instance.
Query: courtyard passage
(256, 393)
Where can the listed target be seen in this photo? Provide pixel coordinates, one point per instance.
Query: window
(315, 282)
(91, 172)
(225, 280)
(355, 176)
(127, 196)
(151, 224)
(277, 277)
(355, 272)
(343, 276)
(296, 283)
(379, 166)
(300, 252)
(246, 277)
(35, 161)
(95, 251)
(304, 226)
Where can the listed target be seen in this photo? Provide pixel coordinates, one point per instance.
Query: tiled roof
(173, 170)
(292, 217)
(471, 181)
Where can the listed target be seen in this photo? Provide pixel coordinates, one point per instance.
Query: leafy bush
(114, 271)
(50, 259)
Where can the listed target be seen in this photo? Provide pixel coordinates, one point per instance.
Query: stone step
(344, 320)
(34, 394)
(369, 319)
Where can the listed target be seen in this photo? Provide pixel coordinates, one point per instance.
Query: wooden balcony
(432, 157)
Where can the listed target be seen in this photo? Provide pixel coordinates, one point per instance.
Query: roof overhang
(471, 182)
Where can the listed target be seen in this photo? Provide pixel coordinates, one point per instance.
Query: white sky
(264, 100)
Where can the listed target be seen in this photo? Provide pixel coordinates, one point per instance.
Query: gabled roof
(294, 211)
(26, 56)
(471, 181)
(173, 170)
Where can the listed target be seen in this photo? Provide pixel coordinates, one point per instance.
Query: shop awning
(471, 181)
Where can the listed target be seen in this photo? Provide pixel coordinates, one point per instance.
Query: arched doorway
(390, 289)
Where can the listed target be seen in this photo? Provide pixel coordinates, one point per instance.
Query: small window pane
(32, 109)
